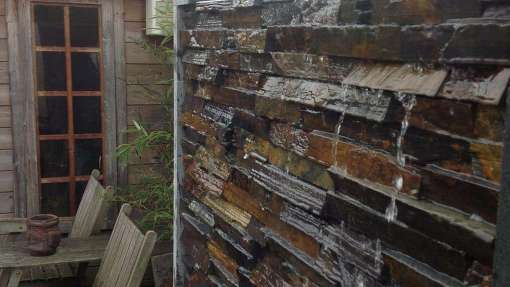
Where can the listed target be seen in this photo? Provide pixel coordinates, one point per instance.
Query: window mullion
(70, 115)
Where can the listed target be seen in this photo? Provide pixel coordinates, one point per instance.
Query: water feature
(408, 102)
(338, 128)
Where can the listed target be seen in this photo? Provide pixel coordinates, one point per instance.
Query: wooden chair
(93, 208)
(88, 220)
(127, 254)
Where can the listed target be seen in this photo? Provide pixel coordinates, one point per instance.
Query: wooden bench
(88, 221)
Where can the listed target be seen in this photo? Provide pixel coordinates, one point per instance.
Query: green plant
(153, 195)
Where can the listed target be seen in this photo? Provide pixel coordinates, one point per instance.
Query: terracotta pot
(43, 234)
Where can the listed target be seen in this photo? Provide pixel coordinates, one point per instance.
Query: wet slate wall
(341, 142)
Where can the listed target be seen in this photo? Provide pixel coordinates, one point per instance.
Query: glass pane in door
(69, 101)
(52, 115)
(49, 25)
(51, 71)
(84, 27)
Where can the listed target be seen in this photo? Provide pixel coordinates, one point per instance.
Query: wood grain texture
(4, 73)
(5, 117)
(135, 31)
(134, 10)
(12, 225)
(179, 270)
(21, 90)
(145, 74)
(6, 181)
(145, 94)
(6, 202)
(136, 173)
(4, 55)
(3, 23)
(6, 160)
(69, 251)
(150, 115)
(110, 63)
(92, 209)
(120, 86)
(5, 138)
(136, 54)
(2, 7)
(5, 99)
(127, 253)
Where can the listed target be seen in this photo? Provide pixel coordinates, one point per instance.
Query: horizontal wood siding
(144, 76)
(6, 151)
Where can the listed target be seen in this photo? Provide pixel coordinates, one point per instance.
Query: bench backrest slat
(92, 209)
(127, 254)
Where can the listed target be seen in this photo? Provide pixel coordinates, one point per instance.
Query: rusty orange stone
(360, 162)
(216, 252)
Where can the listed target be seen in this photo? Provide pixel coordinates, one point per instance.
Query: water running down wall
(341, 143)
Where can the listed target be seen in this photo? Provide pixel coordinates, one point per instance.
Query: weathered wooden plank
(5, 138)
(22, 99)
(92, 209)
(6, 202)
(120, 87)
(70, 250)
(3, 24)
(127, 254)
(134, 31)
(15, 278)
(146, 94)
(162, 270)
(12, 225)
(4, 52)
(134, 10)
(2, 8)
(143, 74)
(4, 73)
(152, 155)
(136, 173)
(111, 55)
(6, 160)
(137, 54)
(151, 115)
(5, 98)
(6, 181)
(5, 117)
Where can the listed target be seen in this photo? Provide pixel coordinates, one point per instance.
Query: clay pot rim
(43, 220)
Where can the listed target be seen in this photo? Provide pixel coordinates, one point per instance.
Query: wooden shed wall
(141, 70)
(6, 150)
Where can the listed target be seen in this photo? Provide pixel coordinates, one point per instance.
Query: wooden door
(67, 53)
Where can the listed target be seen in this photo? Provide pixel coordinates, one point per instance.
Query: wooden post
(502, 253)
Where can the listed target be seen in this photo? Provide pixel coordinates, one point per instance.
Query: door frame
(22, 91)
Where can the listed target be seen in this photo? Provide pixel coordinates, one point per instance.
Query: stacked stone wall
(342, 142)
